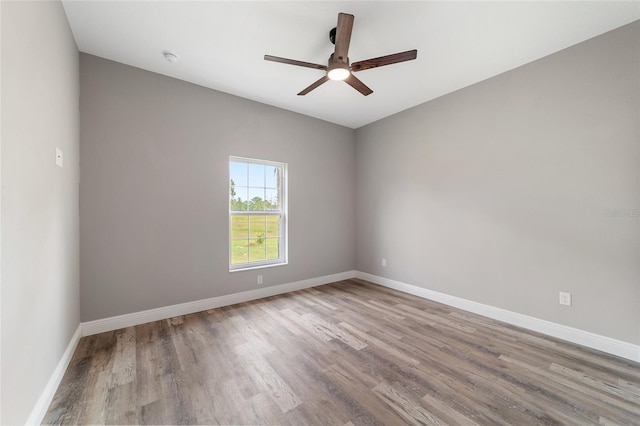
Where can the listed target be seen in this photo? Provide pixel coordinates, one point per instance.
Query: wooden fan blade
(343, 37)
(384, 60)
(314, 85)
(354, 82)
(294, 62)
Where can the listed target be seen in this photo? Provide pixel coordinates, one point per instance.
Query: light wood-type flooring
(347, 353)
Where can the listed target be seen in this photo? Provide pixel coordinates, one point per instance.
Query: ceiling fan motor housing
(338, 70)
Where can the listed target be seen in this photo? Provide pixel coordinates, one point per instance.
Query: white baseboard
(574, 335)
(114, 323)
(581, 337)
(136, 318)
(42, 405)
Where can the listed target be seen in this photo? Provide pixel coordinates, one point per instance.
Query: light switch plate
(59, 158)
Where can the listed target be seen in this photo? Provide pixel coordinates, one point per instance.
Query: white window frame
(282, 213)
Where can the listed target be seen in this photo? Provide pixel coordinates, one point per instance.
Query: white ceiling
(221, 45)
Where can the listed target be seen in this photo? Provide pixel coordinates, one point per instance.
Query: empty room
(320, 213)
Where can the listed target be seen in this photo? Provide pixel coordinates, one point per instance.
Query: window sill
(251, 268)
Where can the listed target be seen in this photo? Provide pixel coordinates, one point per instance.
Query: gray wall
(40, 283)
(497, 193)
(154, 189)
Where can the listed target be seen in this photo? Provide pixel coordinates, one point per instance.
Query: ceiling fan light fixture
(339, 74)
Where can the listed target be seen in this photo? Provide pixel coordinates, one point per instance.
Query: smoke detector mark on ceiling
(170, 56)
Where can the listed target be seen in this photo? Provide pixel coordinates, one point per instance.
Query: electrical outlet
(565, 298)
(259, 279)
(384, 262)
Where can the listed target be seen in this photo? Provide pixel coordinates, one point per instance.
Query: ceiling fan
(338, 67)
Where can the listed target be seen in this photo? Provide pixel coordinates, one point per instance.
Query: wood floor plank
(346, 353)
(402, 404)
(363, 406)
(124, 360)
(598, 404)
(152, 413)
(124, 402)
(600, 385)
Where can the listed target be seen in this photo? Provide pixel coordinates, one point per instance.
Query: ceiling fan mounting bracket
(332, 35)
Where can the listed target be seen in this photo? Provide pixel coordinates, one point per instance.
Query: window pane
(257, 226)
(239, 227)
(239, 251)
(256, 199)
(256, 175)
(273, 226)
(272, 175)
(271, 199)
(238, 198)
(273, 248)
(257, 249)
(238, 173)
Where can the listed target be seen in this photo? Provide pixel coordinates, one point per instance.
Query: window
(257, 213)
